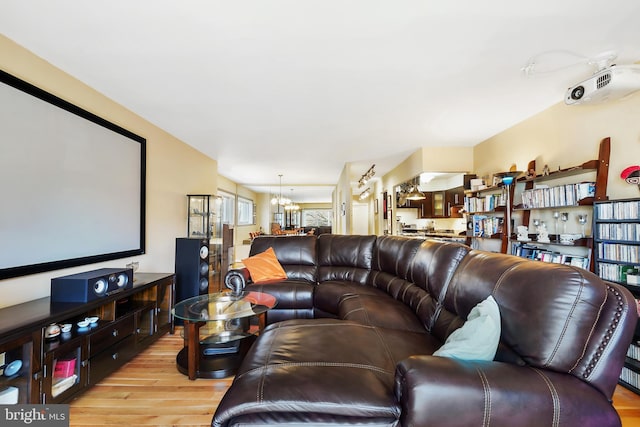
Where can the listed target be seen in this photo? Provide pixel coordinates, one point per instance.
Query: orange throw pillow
(265, 267)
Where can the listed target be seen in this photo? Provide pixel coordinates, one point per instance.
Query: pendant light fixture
(279, 200)
(415, 193)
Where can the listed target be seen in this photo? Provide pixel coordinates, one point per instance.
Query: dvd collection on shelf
(618, 252)
(531, 251)
(619, 231)
(617, 256)
(621, 273)
(486, 203)
(634, 352)
(617, 234)
(630, 377)
(629, 209)
(486, 226)
(544, 196)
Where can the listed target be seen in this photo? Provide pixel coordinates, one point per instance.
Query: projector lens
(577, 93)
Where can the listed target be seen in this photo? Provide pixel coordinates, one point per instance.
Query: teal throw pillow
(478, 338)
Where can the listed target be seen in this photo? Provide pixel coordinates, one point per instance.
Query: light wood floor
(150, 391)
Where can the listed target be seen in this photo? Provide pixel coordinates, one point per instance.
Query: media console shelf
(41, 369)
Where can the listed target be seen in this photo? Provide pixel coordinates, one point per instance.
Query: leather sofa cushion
(294, 299)
(342, 257)
(564, 303)
(328, 294)
(384, 312)
(391, 254)
(289, 370)
(437, 391)
(297, 254)
(274, 316)
(288, 293)
(262, 419)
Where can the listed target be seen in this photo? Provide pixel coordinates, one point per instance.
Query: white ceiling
(300, 87)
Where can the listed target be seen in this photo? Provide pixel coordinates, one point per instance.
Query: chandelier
(291, 206)
(279, 200)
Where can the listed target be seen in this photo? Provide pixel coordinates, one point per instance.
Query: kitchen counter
(446, 235)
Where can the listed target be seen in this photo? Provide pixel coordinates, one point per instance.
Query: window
(246, 211)
(227, 207)
(316, 217)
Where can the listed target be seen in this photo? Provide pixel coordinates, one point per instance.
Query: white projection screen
(72, 184)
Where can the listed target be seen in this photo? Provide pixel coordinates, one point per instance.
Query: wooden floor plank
(149, 391)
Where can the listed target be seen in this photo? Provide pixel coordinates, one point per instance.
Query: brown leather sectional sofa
(351, 339)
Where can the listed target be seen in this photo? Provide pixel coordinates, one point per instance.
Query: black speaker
(91, 285)
(192, 268)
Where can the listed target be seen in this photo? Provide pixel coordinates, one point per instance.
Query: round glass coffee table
(217, 331)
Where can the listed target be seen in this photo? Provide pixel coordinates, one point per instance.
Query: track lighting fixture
(366, 177)
(366, 193)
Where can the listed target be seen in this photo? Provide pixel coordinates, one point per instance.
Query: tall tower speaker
(192, 268)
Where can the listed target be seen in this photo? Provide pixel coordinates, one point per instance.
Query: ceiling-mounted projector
(607, 84)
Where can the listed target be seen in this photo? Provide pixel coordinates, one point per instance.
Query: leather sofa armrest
(439, 391)
(237, 279)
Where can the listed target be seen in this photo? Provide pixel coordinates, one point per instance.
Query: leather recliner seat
(359, 317)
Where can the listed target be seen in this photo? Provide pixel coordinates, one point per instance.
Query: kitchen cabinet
(438, 205)
(424, 206)
(454, 199)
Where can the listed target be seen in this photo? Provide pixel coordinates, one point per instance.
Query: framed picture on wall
(384, 205)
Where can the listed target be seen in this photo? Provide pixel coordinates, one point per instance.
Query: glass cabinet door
(200, 215)
(65, 369)
(145, 324)
(438, 203)
(17, 383)
(165, 297)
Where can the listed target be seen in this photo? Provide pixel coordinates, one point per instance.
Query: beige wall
(565, 136)
(174, 169)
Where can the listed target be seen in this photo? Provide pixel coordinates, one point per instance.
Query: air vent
(603, 80)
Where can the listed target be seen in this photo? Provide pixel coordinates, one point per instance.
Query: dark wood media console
(40, 369)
